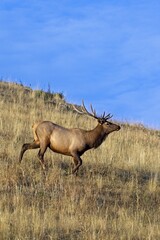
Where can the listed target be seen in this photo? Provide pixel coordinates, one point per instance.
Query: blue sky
(105, 52)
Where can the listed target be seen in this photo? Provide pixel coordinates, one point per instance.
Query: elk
(71, 142)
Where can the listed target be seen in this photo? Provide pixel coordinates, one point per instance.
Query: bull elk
(72, 142)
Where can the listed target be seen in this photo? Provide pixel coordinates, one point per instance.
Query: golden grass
(116, 194)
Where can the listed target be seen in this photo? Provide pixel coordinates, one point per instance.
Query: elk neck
(96, 136)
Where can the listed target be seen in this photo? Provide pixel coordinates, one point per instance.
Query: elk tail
(34, 128)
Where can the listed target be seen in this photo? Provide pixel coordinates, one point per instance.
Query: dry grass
(115, 196)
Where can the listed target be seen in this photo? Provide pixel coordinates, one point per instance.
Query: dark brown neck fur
(96, 136)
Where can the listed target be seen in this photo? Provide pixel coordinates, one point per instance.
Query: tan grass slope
(116, 194)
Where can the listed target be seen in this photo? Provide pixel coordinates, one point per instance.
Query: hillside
(116, 194)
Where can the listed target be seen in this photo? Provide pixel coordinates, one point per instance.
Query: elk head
(108, 126)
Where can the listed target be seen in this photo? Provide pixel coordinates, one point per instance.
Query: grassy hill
(116, 194)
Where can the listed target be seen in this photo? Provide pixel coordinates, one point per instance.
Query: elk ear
(101, 121)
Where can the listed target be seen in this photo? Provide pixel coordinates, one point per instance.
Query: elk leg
(27, 146)
(41, 153)
(77, 162)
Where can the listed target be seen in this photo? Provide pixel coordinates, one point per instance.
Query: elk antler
(93, 112)
(85, 111)
(108, 116)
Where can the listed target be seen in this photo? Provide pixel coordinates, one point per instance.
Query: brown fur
(72, 142)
